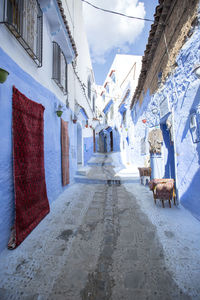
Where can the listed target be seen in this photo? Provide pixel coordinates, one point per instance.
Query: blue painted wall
(52, 145)
(116, 140)
(169, 164)
(88, 149)
(105, 140)
(183, 91)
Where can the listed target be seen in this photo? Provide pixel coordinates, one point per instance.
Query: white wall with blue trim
(88, 144)
(52, 141)
(37, 84)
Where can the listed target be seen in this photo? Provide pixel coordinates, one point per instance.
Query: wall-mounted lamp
(3, 75)
(196, 71)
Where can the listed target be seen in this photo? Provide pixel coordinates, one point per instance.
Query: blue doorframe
(169, 162)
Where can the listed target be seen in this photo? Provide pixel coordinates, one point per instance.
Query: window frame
(22, 28)
(58, 57)
(89, 88)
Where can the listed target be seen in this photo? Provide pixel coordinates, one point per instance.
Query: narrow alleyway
(97, 243)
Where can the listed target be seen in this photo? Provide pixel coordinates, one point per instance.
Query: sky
(110, 34)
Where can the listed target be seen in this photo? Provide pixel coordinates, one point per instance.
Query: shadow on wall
(116, 140)
(187, 124)
(191, 198)
(169, 165)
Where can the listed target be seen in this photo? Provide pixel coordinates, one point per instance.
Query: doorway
(111, 141)
(169, 164)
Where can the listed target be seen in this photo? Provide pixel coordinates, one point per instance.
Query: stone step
(85, 179)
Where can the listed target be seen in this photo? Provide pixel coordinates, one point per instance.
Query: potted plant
(3, 75)
(59, 113)
(59, 110)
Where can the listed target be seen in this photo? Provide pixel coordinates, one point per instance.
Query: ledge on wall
(59, 28)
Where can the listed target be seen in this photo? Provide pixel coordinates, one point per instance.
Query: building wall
(183, 92)
(181, 16)
(52, 140)
(88, 144)
(126, 69)
(36, 84)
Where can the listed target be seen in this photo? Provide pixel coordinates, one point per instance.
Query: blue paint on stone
(88, 149)
(52, 141)
(107, 107)
(183, 91)
(169, 164)
(116, 140)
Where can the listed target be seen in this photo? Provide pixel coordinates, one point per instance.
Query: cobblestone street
(97, 243)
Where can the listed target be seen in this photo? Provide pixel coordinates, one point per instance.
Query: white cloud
(107, 31)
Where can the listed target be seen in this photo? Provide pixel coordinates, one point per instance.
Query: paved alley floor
(106, 241)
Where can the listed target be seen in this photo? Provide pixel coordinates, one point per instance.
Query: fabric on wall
(65, 152)
(155, 140)
(31, 203)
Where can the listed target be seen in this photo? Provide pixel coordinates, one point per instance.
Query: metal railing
(24, 19)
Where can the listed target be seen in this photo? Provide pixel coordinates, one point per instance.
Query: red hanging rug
(31, 203)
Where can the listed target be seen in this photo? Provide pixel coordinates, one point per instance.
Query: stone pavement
(96, 244)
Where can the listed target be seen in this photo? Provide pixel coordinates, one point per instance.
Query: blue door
(169, 164)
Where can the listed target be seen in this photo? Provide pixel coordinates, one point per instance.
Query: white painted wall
(127, 70)
(73, 12)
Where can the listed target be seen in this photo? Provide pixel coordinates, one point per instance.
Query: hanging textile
(65, 152)
(31, 203)
(155, 140)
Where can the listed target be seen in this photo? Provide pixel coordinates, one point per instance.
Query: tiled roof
(155, 33)
(67, 27)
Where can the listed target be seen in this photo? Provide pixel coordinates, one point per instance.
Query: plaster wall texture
(88, 149)
(88, 145)
(83, 61)
(36, 84)
(179, 20)
(126, 69)
(43, 75)
(182, 90)
(52, 146)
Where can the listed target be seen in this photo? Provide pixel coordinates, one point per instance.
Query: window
(103, 96)
(59, 68)
(93, 104)
(112, 112)
(24, 19)
(89, 88)
(107, 88)
(112, 75)
(124, 118)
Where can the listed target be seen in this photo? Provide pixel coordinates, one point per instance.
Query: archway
(168, 152)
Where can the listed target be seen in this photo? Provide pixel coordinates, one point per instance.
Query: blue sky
(112, 34)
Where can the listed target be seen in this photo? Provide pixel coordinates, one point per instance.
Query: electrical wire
(116, 13)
